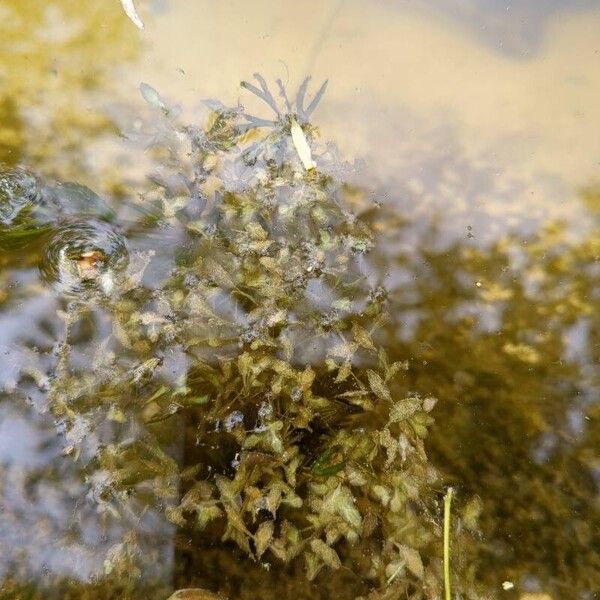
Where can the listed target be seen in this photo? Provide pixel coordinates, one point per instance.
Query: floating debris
(292, 120)
(131, 12)
(152, 97)
(301, 145)
(88, 262)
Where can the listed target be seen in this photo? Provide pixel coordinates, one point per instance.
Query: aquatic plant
(262, 392)
(504, 336)
(320, 453)
(292, 123)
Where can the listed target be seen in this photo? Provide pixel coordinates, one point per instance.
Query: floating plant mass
(256, 394)
(321, 455)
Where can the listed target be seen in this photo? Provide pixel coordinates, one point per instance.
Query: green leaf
(306, 378)
(263, 537)
(194, 594)
(327, 554)
(218, 273)
(312, 565)
(175, 516)
(116, 414)
(342, 304)
(378, 386)
(344, 372)
(341, 502)
(198, 400)
(322, 466)
(245, 365)
(362, 337)
(413, 561)
(404, 409)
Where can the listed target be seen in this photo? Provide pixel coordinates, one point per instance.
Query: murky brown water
(472, 128)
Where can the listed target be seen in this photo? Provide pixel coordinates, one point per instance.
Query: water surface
(472, 125)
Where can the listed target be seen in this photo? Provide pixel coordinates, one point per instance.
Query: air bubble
(83, 259)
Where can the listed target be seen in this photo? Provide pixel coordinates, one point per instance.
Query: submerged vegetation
(266, 375)
(301, 443)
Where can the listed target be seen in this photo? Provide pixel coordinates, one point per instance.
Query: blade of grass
(447, 509)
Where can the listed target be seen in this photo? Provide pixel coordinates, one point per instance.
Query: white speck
(508, 585)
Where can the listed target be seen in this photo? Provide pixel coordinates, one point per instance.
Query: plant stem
(447, 507)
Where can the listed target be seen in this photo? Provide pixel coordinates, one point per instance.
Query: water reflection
(512, 27)
(54, 57)
(517, 426)
(493, 303)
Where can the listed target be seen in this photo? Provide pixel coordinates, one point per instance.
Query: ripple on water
(83, 258)
(18, 189)
(74, 200)
(24, 211)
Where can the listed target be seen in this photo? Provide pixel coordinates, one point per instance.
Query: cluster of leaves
(302, 439)
(302, 387)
